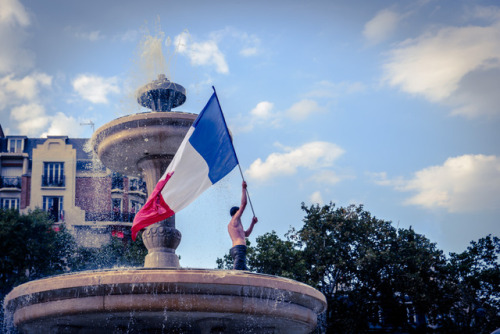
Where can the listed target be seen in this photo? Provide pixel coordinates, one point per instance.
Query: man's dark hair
(233, 210)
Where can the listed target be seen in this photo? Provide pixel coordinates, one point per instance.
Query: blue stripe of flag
(212, 141)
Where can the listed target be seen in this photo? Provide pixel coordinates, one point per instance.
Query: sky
(390, 104)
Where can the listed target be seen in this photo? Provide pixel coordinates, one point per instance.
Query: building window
(134, 207)
(54, 206)
(137, 185)
(117, 212)
(10, 203)
(53, 174)
(16, 145)
(117, 181)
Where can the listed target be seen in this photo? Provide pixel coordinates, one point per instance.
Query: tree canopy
(380, 278)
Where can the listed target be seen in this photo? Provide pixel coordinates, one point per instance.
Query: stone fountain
(162, 297)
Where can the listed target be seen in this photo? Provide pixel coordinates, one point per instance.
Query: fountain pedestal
(144, 145)
(161, 240)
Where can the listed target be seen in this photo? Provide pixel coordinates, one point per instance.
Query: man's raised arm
(243, 198)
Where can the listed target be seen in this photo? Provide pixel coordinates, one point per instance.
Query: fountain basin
(125, 144)
(170, 300)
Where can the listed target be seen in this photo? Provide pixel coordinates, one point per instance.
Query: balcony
(53, 181)
(137, 186)
(10, 182)
(123, 217)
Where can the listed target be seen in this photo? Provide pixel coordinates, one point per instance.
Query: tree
(31, 249)
(475, 278)
(379, 278)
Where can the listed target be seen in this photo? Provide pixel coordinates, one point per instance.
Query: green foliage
(475, 281)
(31, 249)
(379, 278)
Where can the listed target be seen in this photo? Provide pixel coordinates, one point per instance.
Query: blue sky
(390, 104)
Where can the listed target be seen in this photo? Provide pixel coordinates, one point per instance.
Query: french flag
(204, 157)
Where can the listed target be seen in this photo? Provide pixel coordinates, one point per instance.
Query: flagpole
(239, 167)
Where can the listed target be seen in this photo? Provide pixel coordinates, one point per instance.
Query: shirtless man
(237, 233)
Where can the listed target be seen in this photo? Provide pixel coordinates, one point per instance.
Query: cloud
(205, 53)
(382, 26)
(30, 118)
(467, 183)
(13, 20)
(249, 51)
(78, 32)
(90, 35)
(440, 65)
(27, 88)
(316, 198)
(12, 12)
(312, 156)
(263, 113)
(249, 44)
(330, 90)
(94, 88)
(301, 110)
(130, 35)
(326, 177)
(63, 125)
(263, 110)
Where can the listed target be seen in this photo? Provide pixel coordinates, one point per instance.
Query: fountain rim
(152, 116)
(195, 276)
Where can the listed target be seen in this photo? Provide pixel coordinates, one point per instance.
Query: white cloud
(80, 33)
(263, 110)
(13, 12)
(248, 52)
(90, 35)
(262, 114)
(382, 26)
(26, 88)
(201, 53)
(249, 44)
(32, 121)
(13, 20)
(326, 177)
(327, 89)
(468, 183)
(94, 88)
(302, 109)
(437, 65)
(30, 118)
(316, 198)
(313, 155)
(130, 35)
(63, 125)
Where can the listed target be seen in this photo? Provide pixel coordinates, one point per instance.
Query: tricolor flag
(204, 157)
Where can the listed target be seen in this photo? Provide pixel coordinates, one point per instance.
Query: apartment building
(59, 175)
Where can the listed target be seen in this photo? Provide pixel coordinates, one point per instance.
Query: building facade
(60, 175)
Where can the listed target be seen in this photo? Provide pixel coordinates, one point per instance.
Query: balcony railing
(10, 182)
(109, 216)
(53, 182)
(138, 186)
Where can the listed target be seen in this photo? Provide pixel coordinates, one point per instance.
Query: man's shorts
(239, 255)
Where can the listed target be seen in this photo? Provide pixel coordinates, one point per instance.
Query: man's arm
(250, 229)
(243, 199)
